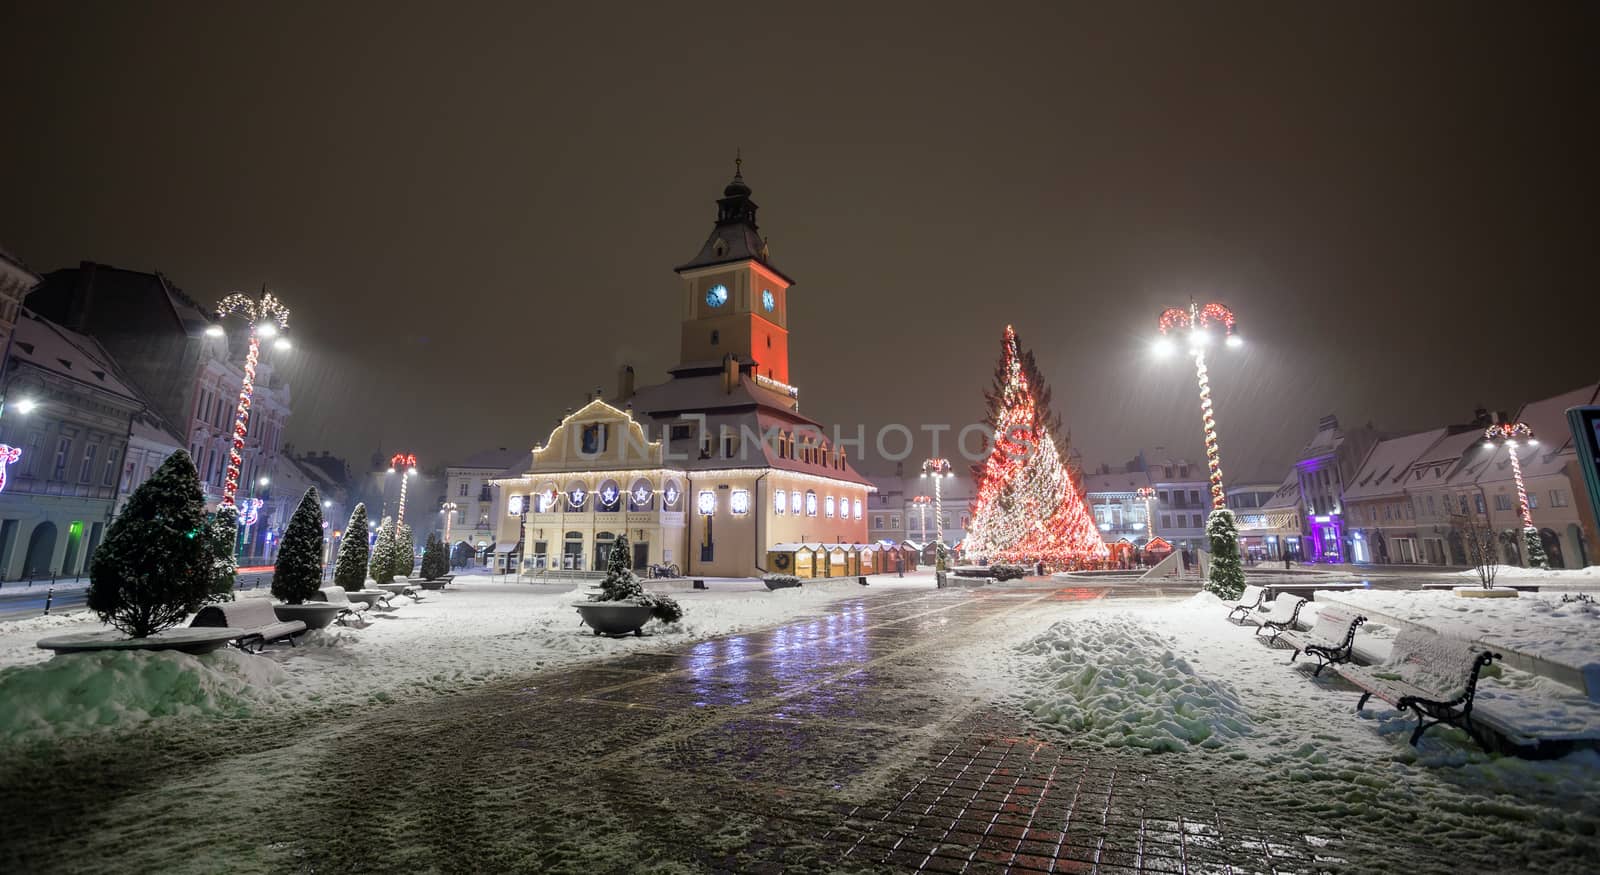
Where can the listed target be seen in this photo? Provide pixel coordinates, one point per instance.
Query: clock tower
(734, 299)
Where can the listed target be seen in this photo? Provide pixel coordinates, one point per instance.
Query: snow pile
(81, 691)
(1114, 680)
(1575, 578)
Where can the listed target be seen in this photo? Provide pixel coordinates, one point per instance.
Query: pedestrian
(1285, 561)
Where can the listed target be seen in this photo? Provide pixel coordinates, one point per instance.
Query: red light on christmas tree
(1027, 506)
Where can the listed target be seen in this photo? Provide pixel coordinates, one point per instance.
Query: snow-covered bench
(1330, 638)
(1249, 601)
(1285, 609)
(1433, 676)
(335, 595)
(257, 623)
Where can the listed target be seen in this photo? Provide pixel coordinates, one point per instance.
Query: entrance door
(41, 548)
(641, 555)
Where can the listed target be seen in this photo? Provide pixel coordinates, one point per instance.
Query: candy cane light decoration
(406, 464)
(267, 316)
(1197, 321)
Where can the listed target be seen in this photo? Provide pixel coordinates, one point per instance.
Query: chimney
(598, 395)
(625, 383)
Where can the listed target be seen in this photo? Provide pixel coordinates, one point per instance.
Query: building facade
(710, 470)
(470, 486)
(62, 444)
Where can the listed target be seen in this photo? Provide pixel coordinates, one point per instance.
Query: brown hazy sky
(474, 208)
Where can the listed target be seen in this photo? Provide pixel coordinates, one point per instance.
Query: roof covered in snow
(1115, 483)
(497, 459)
(1385, 469)
(736, 236)
(49, 347)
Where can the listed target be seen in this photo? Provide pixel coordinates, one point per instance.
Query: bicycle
(660, 571)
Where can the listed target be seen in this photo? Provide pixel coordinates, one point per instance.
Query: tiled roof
(1385, 469)
(48, 346)
(498, 459)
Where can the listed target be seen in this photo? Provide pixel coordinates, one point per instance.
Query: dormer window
(719, 248)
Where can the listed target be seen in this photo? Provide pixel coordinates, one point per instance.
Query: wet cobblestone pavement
(831, 743)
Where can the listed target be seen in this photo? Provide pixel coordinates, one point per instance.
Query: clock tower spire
(735, 301)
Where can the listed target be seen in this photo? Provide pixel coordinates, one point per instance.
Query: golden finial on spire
(738, 162)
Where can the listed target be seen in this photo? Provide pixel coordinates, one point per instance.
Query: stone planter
(614, 618)
(1481, 593)
(185, 639)
(781, 584)
(369, 596)
(316, 615)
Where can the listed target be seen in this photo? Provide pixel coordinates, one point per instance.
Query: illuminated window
(857, 508)
(706, 502)
(827, 507)
(794, 502)
(514, 506)
(811, 503)
(739, 502)
(778, 499)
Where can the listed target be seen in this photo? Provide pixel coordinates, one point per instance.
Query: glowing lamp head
(1533, 442)
(390, 471)
(267, 329)
(214, 331)
(263, 481)
(282, 344)
(1199, 340)
(26, 405)
(1235, 341)
(1163, 347)
(1489, 444)
(327, 504)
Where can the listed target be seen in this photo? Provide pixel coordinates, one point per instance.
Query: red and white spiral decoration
(403, 463)
(267, 309)
(1197, 318)
(1511, 434)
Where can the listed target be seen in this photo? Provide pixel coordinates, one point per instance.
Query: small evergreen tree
(381, 563)
(434, 565)
(405, 554)
(298, 573)
(350, 571)
(1227, 574)
(155, 565)
(621, 585)
(1533, 548)
(222, 538)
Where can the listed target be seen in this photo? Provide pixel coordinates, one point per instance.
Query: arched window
(608, 498)
(546, 498)
(577, 495)
(670, 493)
(640, 495)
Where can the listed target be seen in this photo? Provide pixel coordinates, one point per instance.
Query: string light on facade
(266, 316)
(1194, 326)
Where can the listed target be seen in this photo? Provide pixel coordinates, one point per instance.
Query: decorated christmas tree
(155, 565)
(1027, 506)
(350, 571)
(381, 564)
(298, 573)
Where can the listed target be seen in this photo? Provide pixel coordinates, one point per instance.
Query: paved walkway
(836, 742)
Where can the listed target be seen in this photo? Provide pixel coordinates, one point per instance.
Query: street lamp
(1196, 323)
(266, 317)
(1147, 494)
(938, 469)
(449, 511)
(922, 502)
(407, 463)
(1509, 435)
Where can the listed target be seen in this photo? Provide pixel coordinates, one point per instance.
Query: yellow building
(712, 469)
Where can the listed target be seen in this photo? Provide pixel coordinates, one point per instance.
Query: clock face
(766, 300)
(717, 295)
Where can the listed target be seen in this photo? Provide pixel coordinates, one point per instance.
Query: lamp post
(1147, 494)
(922, 501)
(938, 469)
(1509, 435)
(1197, 321)
(449, 511)
(267, 316)
(406, 463)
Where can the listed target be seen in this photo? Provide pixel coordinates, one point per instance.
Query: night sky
(474, 210)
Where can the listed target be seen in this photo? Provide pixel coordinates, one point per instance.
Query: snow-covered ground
(1535, 624)
(1555, 578)
(476, 631)
(1176, 680)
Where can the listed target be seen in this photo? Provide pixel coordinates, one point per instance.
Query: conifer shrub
(155, 565)
(350, 570)
(298, 573)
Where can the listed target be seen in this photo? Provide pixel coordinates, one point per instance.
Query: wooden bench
(1250, 600)
(258, 625)
(1434, 677)
(1330, 639)
(335, 595)
(1279, 618)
